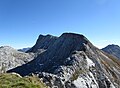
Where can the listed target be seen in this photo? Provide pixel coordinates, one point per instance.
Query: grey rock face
(113, 50)
(71, 61)
(11, 58)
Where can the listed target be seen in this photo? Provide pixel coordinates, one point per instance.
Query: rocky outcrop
(113, 50)
(72, 61)
(11, 58)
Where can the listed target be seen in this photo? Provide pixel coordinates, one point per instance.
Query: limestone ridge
(71, 61)
(11, 58)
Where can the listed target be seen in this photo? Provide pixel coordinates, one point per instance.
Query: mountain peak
(45, 41)
(113, 50)
(68, 60)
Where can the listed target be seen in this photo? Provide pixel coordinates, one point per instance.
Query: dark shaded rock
(43, 43)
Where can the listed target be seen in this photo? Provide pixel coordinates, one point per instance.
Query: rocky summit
(113, 50)
(43, 43)
(71, 61)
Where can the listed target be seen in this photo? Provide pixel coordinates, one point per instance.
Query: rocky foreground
(71, 61)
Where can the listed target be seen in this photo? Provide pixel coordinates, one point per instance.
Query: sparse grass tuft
(76, 74)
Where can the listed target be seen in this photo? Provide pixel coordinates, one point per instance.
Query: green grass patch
(15, 81)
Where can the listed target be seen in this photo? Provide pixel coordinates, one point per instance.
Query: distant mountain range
(113, 50)
(71, 61)
(24, 49)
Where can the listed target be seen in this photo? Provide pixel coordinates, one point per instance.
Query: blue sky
(21, 21)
